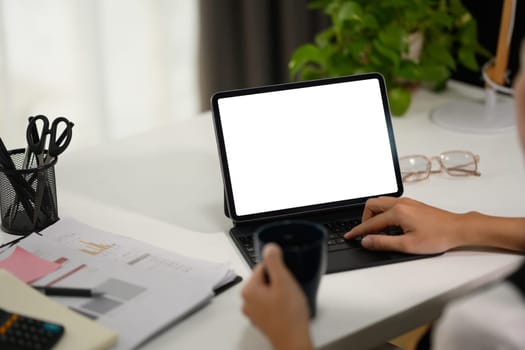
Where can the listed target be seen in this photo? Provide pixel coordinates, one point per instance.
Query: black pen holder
(28, 196)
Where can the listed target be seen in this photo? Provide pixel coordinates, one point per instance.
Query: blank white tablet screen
(306, 146)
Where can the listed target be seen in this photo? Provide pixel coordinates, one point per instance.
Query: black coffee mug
(304, 250)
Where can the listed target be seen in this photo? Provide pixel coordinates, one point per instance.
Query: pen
(69, 292)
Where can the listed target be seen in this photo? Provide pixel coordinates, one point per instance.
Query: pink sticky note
(26, 266)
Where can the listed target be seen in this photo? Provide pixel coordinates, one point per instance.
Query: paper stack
(146, 288)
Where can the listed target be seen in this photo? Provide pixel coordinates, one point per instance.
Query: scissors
(37, 137)
(37, 133)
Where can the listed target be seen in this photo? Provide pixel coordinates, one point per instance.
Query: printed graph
(94, 248)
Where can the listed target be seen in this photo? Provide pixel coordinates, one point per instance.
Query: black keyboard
(336, 241)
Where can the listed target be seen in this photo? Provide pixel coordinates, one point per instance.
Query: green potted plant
(409, 41)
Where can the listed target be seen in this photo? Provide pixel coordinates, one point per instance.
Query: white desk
(145, 185)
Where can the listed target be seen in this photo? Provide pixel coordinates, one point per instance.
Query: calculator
(19, 332)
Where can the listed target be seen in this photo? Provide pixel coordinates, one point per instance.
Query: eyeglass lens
(458, 163)
(414, 168)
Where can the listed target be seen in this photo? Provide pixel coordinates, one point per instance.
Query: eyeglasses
(455, 163)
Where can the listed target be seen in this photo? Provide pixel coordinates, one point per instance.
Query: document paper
(146, 288)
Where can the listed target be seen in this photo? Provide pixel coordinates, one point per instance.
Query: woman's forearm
(477, 229)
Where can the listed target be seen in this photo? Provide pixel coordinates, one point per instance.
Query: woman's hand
(278, 308)
(426, 229)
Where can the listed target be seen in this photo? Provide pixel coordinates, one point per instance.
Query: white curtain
(113, 67)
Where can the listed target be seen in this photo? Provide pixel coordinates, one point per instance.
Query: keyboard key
(336, 239)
